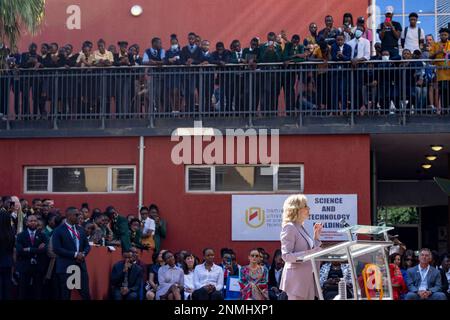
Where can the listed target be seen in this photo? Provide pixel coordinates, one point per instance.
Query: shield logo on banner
(254, 217)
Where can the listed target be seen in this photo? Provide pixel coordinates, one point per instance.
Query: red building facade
(333, 164)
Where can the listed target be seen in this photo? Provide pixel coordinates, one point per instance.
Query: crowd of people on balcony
(398, 81)
(34, 259)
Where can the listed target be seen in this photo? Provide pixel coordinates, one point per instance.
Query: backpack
(419, 33)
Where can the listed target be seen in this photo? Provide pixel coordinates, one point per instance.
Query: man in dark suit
(221, 57)
(190, 55)
(340, 51)
(31, 260)
(444, 270)
(126, 278)
(71, 246)
(275, 273)
(207, 79)
(424, 281)
(270, 52)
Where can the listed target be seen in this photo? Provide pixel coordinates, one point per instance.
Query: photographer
(229, 269)
(390, 32)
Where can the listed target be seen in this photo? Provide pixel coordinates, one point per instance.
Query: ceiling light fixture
(436, 147)
(431, 157)
(426, 166)
(136, 10)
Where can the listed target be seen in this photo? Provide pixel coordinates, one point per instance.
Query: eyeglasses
(255, 256)
(409, 259)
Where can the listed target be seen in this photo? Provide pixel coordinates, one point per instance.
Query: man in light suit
(424, 281)
(297, 278)
(71, 246)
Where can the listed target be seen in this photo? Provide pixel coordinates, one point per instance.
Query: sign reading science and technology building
(258, 217)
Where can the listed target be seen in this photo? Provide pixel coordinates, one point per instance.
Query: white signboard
(258, 217)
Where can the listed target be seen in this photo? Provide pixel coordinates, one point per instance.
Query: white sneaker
(392, 108)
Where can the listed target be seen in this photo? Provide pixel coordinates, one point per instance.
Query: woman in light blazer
(297, 279)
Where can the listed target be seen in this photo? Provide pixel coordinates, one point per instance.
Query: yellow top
(443, 74)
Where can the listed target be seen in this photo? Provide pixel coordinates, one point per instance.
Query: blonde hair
(291, 208)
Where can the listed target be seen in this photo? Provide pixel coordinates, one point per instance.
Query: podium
(367, 259)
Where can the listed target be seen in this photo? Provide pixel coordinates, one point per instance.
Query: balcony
(303, 98)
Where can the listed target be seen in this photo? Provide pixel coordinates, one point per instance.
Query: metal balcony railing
(375, 88)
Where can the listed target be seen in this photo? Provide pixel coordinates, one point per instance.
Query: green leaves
(18, 14)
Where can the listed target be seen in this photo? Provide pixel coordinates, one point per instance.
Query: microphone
(344, 223)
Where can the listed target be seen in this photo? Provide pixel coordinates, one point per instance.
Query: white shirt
(188, 284)
(423, 275)
(278, 275)
(202, 277)
(149, 227)
(32, 233)
(412, 38)
(77, 241)
(363, 48)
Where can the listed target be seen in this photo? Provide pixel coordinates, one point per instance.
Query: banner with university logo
(258, 217)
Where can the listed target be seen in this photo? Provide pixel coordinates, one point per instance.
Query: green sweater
(290, 51)
(121, 232)
(267, 56)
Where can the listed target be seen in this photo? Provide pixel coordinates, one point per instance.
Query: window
(87, 179)
(199, 179)
(37, 180)
(433, 14)
(244, 178)
(123, 179)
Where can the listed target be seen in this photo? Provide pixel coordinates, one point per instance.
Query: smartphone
(388, 20)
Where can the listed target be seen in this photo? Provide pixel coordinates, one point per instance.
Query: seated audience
(229, 268)
(126, 278)
(170, 279)
(152, 283)
(445, 274)
(330, 275)
(275, 272)
(189, 265)
(254, 278)
(398, 283)
(208, 278)
(424, 281)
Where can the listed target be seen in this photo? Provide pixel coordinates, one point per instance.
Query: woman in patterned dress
(253, 279)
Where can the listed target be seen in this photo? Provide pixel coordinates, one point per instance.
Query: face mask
(385, 58)
(358, 34)
(174, 47)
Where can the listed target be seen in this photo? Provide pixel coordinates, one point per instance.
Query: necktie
(32, 238)
(355, 54)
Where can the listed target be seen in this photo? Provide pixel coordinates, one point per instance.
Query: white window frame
(108, 178)
(302, 177)
(213, 179)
